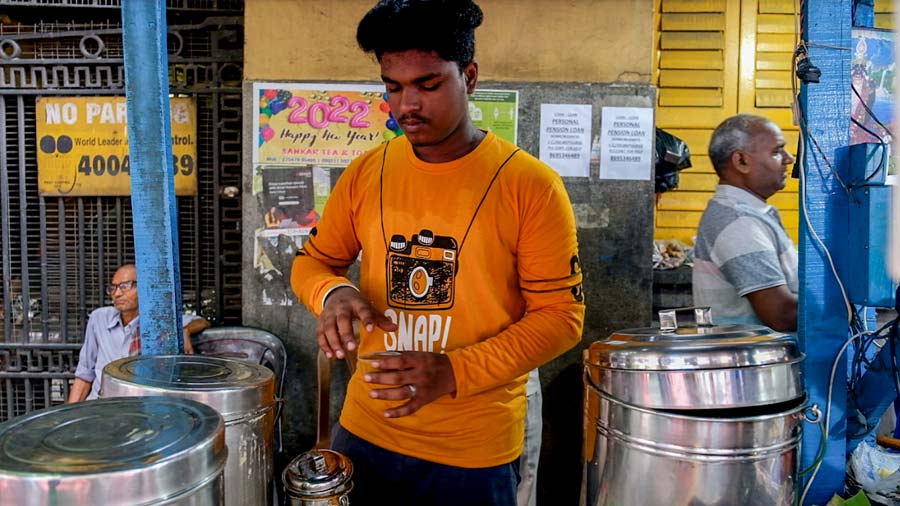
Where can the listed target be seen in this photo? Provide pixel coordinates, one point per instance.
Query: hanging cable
(869, 111)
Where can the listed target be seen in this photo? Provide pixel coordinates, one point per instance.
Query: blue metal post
(822, 314)
(152, 182)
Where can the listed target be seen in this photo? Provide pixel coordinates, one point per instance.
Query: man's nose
(410, 100)
(788, 159)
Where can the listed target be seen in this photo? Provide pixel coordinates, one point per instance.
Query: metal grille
(187, 5)
(58, 252)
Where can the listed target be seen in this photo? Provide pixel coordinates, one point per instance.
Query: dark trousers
(382, 477)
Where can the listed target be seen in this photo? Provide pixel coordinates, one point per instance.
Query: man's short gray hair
(733, 134)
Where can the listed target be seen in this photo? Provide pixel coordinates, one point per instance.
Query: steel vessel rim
(801, 405)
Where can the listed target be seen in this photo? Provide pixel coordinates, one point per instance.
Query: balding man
(745, 264)
(114, 332)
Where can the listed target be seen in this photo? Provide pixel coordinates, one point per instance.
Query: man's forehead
(768, 131)
(415, 63)
(124, 273)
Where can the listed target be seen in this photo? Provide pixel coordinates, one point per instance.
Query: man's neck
(742, 187)
(457, 145)
(127, 317)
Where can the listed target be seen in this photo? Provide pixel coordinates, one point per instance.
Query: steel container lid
(694, 348)
(703, 366)
(232, 387)
(135, 451)
(702, 345)
(318, 473)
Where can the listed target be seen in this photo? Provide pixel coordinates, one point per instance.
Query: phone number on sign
(99, 165)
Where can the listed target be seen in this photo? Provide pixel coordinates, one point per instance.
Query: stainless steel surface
(243, 392)
(698, 368)
(255, 345)
(141, 451)
(231, 387)
(318, 477)
(637, 456)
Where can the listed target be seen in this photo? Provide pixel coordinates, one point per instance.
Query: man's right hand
(334, 330)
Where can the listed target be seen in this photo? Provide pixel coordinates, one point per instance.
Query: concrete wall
(520, 40)
(553, 51)
(615, 226)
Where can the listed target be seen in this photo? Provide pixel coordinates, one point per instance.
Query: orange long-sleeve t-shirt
(476, 258)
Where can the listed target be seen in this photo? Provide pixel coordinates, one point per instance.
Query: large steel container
(242, 392)
(708, 415)
(134, 452)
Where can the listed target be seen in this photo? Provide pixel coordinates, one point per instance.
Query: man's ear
(470, 74)
(740, 162)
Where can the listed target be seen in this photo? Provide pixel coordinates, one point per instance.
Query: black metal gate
(59, 252)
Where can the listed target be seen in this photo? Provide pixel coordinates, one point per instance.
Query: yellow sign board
(83, 146)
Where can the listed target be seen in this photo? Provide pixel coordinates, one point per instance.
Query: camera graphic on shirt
(421, 271)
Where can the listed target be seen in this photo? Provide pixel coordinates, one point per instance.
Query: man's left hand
(188, 346)
(421, 377)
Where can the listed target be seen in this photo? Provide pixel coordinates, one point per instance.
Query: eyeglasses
(124, 286)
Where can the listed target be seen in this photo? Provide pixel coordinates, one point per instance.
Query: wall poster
(307, 133)
(496, 111)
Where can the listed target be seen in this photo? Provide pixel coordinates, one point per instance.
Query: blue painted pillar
(822, 313)
(152, 181)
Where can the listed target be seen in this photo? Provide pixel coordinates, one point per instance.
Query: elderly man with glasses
(114, 332)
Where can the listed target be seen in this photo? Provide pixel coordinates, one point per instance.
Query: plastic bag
(859, 499)
(876, 471)
(671, 254)
(672, 156)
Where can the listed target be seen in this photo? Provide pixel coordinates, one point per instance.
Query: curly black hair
(446, 27)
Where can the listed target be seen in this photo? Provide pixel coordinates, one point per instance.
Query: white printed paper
(626, 143)
(566, 138)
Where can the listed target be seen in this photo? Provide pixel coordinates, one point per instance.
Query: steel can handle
(668, 318)
(812, 414)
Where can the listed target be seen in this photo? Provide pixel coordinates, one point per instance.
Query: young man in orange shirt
(469, 269)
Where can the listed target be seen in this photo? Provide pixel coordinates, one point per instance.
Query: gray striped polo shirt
(741, 248)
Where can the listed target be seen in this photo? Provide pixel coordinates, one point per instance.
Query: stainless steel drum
(136, 452)
(242, 392)
(707, 414)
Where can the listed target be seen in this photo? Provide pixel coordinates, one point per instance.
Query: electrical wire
(870, 112)
(801, 159)
(883, 150)
(834, 365)
(815, 235)
(892, 325)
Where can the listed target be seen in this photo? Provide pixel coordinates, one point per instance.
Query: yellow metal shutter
(757, 44)
(696, 72)
(884, 14)
(767, 46)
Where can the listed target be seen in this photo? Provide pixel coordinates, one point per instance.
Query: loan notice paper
(565, 141)
(626, 143)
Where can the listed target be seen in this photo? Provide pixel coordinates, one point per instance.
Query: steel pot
(135, 452)
(704, 366)
(703, 414)
(650, 457)
(244, 394)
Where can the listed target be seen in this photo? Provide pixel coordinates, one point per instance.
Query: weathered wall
(520, 40)
(615, 225)
(595, 52)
